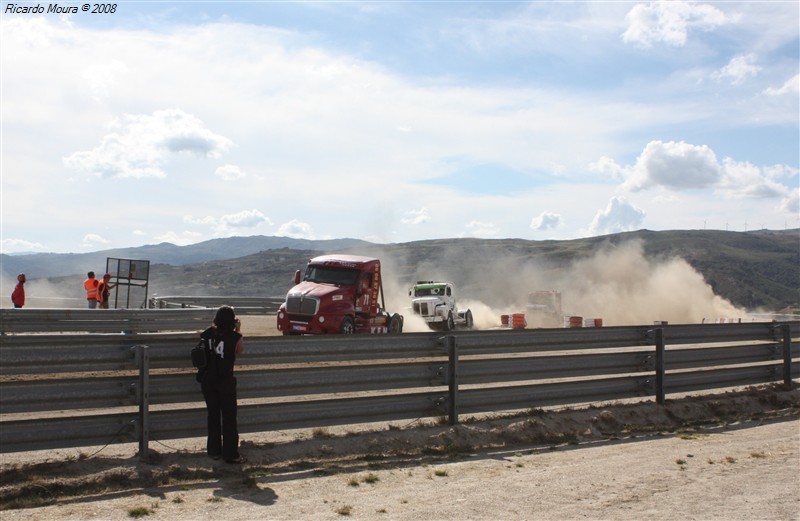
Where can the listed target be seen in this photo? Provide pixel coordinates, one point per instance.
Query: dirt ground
(732, 455)
(726, 456)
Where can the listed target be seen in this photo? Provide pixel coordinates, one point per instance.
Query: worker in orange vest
(90, 284)
(102, 291)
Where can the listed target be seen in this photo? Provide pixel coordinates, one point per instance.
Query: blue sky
(396, 121)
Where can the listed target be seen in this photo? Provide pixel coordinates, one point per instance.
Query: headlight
(280, 315)
(321, 320)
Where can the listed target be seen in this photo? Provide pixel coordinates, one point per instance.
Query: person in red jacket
(18, 296)
(102, 291)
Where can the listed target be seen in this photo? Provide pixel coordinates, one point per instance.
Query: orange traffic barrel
(575, 321)
(518, 321)
(504, 319)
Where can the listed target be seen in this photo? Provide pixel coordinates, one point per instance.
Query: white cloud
(382, 121)
(619, 216)
(674, 165)
(683, 166)
(482, 230)
(546, 221)
(416, 216)
(669, 22)
(607, 167)
(244, 219)
(138, 145)
(179, 239)
(296, 230)
(229, 172)
(745, 180)
(19, 245)
(791, 203)
(91, 240)
(230, 223)
(792, 86)
(207, 220)
(738, 69)
(103, 78)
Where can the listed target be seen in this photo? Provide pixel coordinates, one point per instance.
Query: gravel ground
(727, 456)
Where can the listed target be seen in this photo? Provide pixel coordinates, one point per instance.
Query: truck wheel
(347, 327)
(468, 322)
(395, 324)
(449, 324)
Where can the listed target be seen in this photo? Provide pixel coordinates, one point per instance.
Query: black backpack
(200, 355)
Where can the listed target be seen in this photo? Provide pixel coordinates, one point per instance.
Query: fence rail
(83, 389)
(61, 320)
(243, 305)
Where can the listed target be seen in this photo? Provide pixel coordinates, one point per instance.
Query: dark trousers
(223, 433)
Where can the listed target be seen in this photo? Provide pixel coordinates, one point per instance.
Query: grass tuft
(139, 512)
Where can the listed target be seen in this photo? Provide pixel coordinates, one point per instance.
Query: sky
(392, 122)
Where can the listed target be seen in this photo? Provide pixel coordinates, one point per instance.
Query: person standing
(103, 288)
(18, 295)
(90, 285)
(224, 341)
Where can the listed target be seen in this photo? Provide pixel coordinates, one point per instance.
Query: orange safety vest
(101, 290)
(91, 288)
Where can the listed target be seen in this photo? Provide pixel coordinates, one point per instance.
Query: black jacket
(222, 355)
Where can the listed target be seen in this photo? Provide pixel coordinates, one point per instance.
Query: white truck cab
(435, 302)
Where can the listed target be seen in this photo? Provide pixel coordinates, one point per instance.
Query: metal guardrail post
(452, 377)
(143, 398)
(659, 341)
(786, 340)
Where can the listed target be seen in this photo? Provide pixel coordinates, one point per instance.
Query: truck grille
(302, 305)
(421, 308)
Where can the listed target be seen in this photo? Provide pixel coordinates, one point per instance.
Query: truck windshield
(327, 275)
(425, 291)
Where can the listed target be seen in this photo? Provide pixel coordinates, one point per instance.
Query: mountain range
(757, 269)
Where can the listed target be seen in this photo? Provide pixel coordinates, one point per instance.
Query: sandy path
(748, 472)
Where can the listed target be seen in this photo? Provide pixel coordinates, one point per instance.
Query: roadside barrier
(85, 389)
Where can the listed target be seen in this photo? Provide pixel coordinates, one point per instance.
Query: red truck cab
(337, 294)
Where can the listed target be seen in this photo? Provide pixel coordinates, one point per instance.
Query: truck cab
(544, 308)
(435, 302)
(337, 294)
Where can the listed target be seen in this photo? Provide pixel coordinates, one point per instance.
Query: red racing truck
(337, 294)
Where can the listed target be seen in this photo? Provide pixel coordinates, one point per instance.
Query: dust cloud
(43, 293)
(617, 284)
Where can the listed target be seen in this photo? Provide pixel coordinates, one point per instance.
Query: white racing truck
(436, 303)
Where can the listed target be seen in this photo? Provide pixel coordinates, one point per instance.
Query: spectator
(18, 296)
(224, 341)
(90, 285)
(103, 291)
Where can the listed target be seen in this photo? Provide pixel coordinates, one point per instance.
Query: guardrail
(103, 320)
(82, 390)
(243, 305)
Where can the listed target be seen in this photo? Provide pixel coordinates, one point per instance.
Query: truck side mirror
(297, 277)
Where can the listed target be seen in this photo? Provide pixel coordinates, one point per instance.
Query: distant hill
(750, 269)
(59, 264)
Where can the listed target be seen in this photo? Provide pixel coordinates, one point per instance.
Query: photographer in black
(223, 342)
